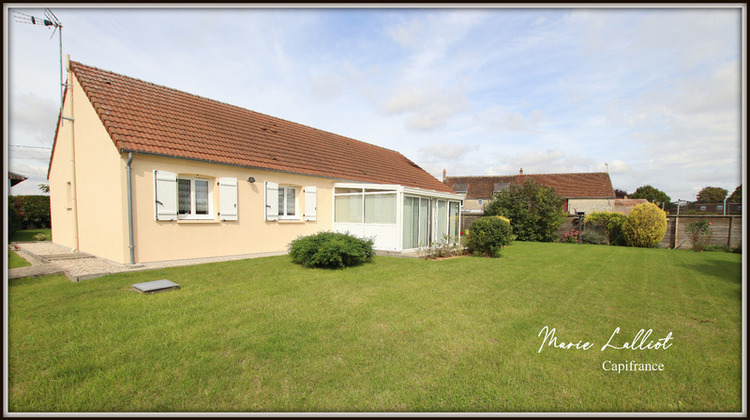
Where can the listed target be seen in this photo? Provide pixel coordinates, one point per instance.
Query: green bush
(488, 235)
(33, 210)
(608, 223)
(331, 250)
(645, 226)
(535, 211)
(700, 234)
(592, 236)
(14, 222)
(718, 248)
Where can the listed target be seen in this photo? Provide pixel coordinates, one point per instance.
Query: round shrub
(488, 235)
(331, 250)
(645, 226)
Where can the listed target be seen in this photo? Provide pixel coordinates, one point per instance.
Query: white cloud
(425, 108)
(498, 117)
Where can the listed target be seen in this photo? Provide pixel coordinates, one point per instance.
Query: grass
(392, 335)
(27, 235)
(15, 261)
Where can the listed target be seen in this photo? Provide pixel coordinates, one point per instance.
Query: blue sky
(653, 93)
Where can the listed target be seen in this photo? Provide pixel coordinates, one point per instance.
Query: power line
(30, 147)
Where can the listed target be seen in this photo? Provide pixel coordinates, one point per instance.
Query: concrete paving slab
(35, 271)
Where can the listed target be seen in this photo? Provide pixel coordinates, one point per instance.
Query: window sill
(197, 221)
(290, 221)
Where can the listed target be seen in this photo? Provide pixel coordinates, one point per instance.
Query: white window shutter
(228, 198)
(165, 195)
(311, 203)
(272, 201)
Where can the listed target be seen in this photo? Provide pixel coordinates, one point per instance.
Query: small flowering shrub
(443, 249)
(570, 237)
(331, 250)
(488, 235)
(645, 226)
(40, 237)
(700, 234)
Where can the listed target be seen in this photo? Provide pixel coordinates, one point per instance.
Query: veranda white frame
(390, 236)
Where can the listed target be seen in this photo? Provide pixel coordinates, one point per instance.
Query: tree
(653, 195)
(535, 211)
(736, 195)
(712, 194)
(620, 193)
(44, 188)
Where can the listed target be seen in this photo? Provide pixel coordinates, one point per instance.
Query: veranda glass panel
(201, 197)
(411, 222)
(183, 192)
(348, 209)
(380, 208)
(442, 220)
(453, 220)
(424, 222)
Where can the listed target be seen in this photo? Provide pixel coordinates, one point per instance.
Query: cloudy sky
(652, 93)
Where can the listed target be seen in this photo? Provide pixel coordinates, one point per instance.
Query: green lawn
(27, 235)
(393, 335)
(15, 261)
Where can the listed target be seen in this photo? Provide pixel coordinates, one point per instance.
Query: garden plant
(488, 235)
(645, 226)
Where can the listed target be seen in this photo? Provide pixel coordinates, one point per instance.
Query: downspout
(130, 210)
(73, 191)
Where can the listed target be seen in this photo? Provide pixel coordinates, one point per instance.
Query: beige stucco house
(142, 173)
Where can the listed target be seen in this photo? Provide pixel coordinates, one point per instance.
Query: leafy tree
(620, 193)
(44, 188)
(653, 195)
(14, 221)
(736, 195)
(712, 194)
(32, 210)
(535, 211)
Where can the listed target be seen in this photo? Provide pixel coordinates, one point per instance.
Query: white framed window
(194, 198)
(288, 202)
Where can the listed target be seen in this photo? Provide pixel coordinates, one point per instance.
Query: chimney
(444, 174)
(520, 172)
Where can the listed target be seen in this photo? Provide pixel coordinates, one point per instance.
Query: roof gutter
(123, 150)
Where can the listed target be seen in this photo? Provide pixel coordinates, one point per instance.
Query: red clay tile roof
(579, 185)
(144, 117)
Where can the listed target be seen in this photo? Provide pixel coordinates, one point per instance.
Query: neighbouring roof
(624, 205)
(16, 178)
(575, 185)
(144, 117)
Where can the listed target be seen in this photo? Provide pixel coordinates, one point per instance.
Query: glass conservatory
(398, 218)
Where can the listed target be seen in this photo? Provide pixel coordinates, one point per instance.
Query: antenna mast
(50, 21)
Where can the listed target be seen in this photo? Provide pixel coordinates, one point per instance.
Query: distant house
(624, 205)
(141, 173)
(14, 178)
(587, 192)
(716, 207)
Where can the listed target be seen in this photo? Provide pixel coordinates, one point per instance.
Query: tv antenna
(50, 21)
